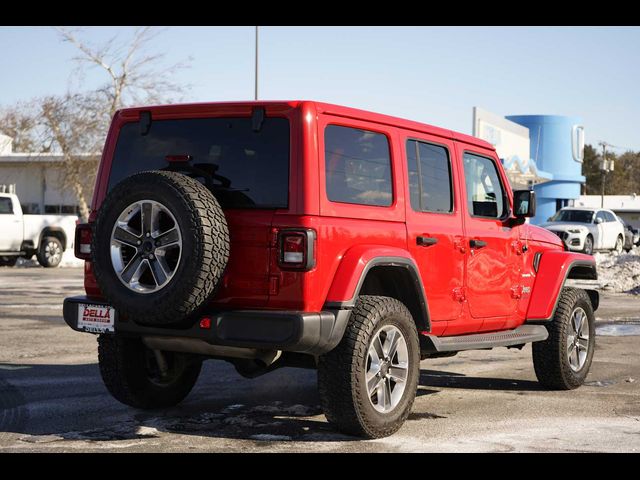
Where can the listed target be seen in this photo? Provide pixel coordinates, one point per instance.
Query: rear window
(357, 166)
(248, 169)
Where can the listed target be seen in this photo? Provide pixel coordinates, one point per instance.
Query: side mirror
(599, 221)
(524, 203)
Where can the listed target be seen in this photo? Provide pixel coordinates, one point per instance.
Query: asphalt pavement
(52, 398)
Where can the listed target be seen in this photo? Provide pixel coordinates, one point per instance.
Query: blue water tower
(557, 146)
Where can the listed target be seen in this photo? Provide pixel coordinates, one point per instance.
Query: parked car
(587, 229)
(631, 235)
(46, 236)
(272, 234)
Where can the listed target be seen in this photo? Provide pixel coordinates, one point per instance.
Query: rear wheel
(49, 254)
(619, 244)
(139, 377)
(563, 360)
(368, 383)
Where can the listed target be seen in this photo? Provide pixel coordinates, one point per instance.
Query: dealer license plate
(96, 318)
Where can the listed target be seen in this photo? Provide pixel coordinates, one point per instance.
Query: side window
(609, 216)
(357, 166)
(429, 177)
(601, 216)
(6, 208)
(485, 196)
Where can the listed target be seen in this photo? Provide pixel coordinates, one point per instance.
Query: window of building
(561, 203)
(61, 209)
(30, 208)
(429, 172)
(485, 195)
(357, 166)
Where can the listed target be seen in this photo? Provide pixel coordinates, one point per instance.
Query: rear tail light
(296, 249)
(82, 244)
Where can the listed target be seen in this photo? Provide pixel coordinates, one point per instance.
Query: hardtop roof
(321, 107)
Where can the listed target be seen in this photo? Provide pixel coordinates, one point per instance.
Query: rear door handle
(477, 243)
(426, 241)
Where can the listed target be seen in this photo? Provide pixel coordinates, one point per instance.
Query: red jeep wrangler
(298, 233)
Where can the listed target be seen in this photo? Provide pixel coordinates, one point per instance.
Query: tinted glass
(5, 206)
(248, 169)
(601, 216)
(577, 216)
(429, 177)
(357, 166)
(485, 197)
(609, 217)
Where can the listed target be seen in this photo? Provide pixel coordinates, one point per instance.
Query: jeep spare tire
(160, 247)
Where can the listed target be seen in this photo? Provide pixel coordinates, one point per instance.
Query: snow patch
(619, 273)
(618, 329)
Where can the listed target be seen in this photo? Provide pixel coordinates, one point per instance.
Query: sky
(434, 75)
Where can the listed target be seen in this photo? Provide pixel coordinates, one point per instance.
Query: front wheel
(563, 360)
(368, 383)
(136, 376)
(588, 245)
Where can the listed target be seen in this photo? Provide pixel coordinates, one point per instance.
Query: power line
(606, 144)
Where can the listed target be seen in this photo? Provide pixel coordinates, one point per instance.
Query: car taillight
(82, 244)
(296, 249)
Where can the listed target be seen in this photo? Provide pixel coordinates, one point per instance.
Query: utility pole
(256, 85)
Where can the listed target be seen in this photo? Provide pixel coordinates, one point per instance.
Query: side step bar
(479, 341)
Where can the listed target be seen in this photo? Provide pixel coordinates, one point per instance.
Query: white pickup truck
(46, 236)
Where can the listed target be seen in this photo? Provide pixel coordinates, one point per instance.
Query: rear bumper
(313, 333)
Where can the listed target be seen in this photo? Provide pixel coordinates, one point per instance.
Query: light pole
(256, 84)
(606, 166)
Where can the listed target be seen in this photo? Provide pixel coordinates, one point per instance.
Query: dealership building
(542, 152)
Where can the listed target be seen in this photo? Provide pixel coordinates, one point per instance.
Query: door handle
(426, 241)
(477, 243)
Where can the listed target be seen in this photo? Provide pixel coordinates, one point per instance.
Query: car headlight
(574, 230)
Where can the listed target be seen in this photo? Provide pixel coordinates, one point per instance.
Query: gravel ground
(52, 398)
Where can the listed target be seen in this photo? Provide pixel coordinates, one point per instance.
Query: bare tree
(19, 122)
(75, 124)
(72, 125)
(134, 74)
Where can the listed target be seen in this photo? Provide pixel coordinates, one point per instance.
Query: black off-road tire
(550, 359)
(130, 373)
(44, 256)
(204, 255)
(341, 372)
